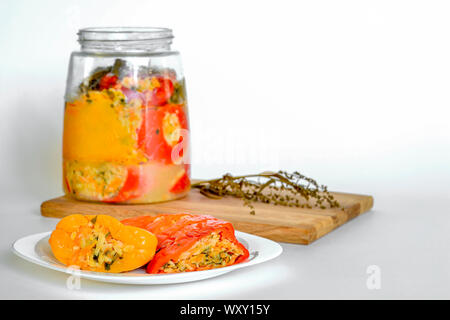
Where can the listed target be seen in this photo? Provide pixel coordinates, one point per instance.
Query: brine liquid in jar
(126, 126)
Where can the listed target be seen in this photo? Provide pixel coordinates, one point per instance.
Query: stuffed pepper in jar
(126, 123)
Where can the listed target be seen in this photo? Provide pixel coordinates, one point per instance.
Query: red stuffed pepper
(161, 131)
(191, 242)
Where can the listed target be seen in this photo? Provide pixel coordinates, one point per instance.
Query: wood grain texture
(285, 224)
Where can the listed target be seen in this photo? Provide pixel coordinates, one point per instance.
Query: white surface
(36, 249)
(407, 238)
(352, 93)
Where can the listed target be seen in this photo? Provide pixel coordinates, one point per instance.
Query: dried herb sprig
(278, 188)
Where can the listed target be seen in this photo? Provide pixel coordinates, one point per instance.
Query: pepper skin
(178, 233)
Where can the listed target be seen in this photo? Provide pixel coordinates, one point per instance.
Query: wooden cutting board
(285, 224)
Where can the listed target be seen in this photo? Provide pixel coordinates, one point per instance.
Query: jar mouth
(125, 39)
(124, 34)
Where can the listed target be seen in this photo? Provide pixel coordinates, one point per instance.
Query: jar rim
(124, 34)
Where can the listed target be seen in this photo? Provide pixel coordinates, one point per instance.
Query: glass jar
(125, 118)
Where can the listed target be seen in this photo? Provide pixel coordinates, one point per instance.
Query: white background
(352, 93)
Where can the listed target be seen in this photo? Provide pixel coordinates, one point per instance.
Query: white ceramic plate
(36, 249)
